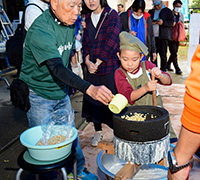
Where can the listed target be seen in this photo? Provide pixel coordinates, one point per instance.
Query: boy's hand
(151, 85)
(156, 72)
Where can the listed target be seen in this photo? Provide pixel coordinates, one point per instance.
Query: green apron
(146, 99)
(136, 83)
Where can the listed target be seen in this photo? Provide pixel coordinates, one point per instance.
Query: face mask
(137, 17)
(177, 9)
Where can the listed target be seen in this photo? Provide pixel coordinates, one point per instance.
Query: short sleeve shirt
(46, 39)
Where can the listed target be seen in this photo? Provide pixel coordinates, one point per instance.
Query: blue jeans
(43, 110)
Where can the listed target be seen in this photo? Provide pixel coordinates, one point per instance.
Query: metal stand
(7, 29)
(19, 172)
(35, 166)
(5, 33)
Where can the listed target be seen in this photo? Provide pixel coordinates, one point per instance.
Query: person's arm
(181, 17)
(123, 86)
(187, 145)
(149, 86)
(57, 68)
(150, 29)
(85, 42)
(166, 18)
(162, 77)
(64, 74)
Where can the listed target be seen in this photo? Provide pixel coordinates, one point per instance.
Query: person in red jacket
(138, 23)
(189, 139)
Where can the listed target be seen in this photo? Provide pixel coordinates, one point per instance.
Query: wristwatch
(173, 167)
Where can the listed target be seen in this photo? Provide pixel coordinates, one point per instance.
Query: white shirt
(32, 12)
(95, 18)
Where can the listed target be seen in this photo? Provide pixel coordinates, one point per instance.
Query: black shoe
(179, 72)
(170, 69)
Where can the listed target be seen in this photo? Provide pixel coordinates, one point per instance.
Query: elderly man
(48, 45)
(162, 20)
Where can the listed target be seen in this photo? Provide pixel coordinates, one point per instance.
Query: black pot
(142, 131)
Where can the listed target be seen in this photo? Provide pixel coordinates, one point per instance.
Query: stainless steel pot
(109, 164)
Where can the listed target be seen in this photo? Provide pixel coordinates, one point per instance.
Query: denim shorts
(44, 111)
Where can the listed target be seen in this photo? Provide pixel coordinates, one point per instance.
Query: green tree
(196, 6)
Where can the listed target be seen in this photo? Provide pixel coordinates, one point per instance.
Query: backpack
(178, 32)
(14, 46)
(19, 95)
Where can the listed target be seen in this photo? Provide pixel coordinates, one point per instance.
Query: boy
(133, 79)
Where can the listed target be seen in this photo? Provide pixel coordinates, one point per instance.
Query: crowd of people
(118, 49)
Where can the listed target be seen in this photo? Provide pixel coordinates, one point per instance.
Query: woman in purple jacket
(100, 47)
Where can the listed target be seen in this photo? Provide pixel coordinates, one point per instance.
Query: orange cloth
(191, 114)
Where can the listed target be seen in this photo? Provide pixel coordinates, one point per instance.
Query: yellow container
(118, 103)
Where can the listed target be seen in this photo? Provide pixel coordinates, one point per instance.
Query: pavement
(14, 122)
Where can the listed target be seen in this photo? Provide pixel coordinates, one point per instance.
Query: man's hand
(100, 93)
(160, 22)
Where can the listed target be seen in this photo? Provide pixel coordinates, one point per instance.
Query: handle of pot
(154, 92)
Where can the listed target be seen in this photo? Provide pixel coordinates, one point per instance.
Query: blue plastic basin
(30, 138)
